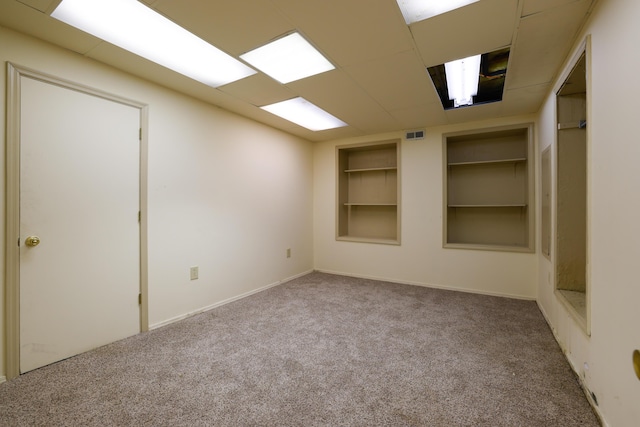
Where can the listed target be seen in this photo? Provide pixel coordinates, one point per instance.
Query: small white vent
(411, 135)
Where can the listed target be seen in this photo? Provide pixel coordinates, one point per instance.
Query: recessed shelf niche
(571, 194)
(488, 195)
(368, 202)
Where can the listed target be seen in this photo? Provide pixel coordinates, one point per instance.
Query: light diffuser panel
(302, 112)
(133, 26)
(288, 59)
(418, 10)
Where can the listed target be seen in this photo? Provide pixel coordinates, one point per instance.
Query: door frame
(12, 203)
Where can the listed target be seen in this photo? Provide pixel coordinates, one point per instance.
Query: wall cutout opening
(571, 192)
(368, 192)
(489, 197)
(545, 220)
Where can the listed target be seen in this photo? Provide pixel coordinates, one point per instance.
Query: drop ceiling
(380, 83)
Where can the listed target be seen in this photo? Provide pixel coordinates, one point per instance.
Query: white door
(79, 194)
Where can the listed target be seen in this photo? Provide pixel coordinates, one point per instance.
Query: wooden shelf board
(371, 204)
(581, 124)
(390, 168)
(487, 247)
(487, 162)
(358, 239)
(515, 205)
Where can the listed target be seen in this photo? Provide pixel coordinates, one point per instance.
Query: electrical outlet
(193, 271)
(288, 252)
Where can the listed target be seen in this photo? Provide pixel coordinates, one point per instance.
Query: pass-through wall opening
(571, 188)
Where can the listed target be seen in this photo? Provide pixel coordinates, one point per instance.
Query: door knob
(32, 241)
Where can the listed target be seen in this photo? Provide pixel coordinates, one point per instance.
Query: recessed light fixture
(471, 81)
(135, 27)
(288, 58)
(418, 10)
(302, 112)
(463, 76)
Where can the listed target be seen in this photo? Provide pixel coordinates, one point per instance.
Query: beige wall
(225, 193)
(420, 259)
(248, 190)
(604, 360)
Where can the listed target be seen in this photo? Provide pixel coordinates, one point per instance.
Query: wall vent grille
(411, 135)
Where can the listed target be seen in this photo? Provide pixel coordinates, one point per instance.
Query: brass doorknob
(32, 241)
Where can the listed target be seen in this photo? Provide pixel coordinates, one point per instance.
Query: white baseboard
(431, 285)
(574, 368)
(226, 301)
(3, 379)
(288, 279)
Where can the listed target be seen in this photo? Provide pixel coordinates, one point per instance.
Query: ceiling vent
(410, 135)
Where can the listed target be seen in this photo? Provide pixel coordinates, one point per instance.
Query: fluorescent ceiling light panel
(463, 76)
(133, 26)
(288, 59)
(302, 112)
(418, 10)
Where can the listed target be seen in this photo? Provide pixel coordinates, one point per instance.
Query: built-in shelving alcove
(488, 197)
(368, 203)
(571, 193)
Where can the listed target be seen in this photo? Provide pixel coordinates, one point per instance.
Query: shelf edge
(380, 241)
(388, 168)
(517, 205)
(487, 162)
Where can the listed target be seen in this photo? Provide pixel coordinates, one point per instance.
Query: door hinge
(139, 216)
(139, 299)
(140, 134)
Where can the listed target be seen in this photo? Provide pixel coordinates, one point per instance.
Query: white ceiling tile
(421, 116)
(236, 26)
(478, 28)
(337, 93)
(473, 113)
(350, 32)
(396, 82)
(543, 41)
(259, 90)
(41, 5)
(531, 7)
(524, 100)
(379, 122)
(332, 134)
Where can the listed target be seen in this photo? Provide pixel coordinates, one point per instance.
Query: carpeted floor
(321, 350)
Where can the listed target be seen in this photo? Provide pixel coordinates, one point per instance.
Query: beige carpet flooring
(322, 350)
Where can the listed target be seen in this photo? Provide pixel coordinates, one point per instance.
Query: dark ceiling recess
(493, 71)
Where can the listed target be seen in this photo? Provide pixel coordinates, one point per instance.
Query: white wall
(225, 193)
(613, 226)
(420, 259)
